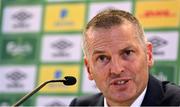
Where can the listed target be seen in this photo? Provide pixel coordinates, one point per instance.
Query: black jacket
(158, 94)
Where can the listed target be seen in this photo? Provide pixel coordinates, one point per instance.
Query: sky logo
(63, 13)
(58, 74)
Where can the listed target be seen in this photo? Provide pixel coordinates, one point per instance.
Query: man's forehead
(109, 35)
(93, 31)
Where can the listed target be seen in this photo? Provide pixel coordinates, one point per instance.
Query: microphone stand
(34, 91)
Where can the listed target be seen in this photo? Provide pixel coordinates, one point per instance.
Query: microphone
(69, 80)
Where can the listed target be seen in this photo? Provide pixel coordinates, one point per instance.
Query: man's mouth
(120, 82)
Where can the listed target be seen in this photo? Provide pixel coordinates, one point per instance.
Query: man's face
(118, 63)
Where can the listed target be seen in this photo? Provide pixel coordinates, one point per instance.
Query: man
(118, 57)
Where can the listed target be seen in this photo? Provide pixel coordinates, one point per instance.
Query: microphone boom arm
(34, 91)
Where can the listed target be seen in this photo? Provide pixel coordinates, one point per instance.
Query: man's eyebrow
(120, 50)
(98, 52)
(128, 47)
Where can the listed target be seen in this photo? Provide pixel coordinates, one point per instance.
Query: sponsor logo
(162, 44)
(58, 74)
(15, 79)
(63, 13)
(21, 18)
(19, 49)
(17, 19)
(62, 46)
(50, 72)
(64, 17)
(15, 49)
(163, 13)
(158, 13)
(158, 43)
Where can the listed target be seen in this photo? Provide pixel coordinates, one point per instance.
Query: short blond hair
(111, 17)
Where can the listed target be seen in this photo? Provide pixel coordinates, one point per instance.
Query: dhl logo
(157, 13)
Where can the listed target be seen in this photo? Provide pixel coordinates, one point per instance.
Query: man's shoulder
(90, 100)
(161, 93)
(170, 87)
(171, 92)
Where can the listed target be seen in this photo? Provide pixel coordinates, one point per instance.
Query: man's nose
(117, 66)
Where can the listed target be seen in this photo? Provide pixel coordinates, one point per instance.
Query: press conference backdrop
(40, 40)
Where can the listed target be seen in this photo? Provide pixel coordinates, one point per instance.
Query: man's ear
(150, 59)
(88, 68)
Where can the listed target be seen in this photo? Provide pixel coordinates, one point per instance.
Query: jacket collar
(153, 96)
(154, 92)
(98, 100)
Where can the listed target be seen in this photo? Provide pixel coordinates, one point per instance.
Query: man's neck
(136, 103)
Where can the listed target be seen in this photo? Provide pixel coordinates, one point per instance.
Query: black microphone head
(69, 80)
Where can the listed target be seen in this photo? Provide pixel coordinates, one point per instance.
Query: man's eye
(103, 58)
(128, 52)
